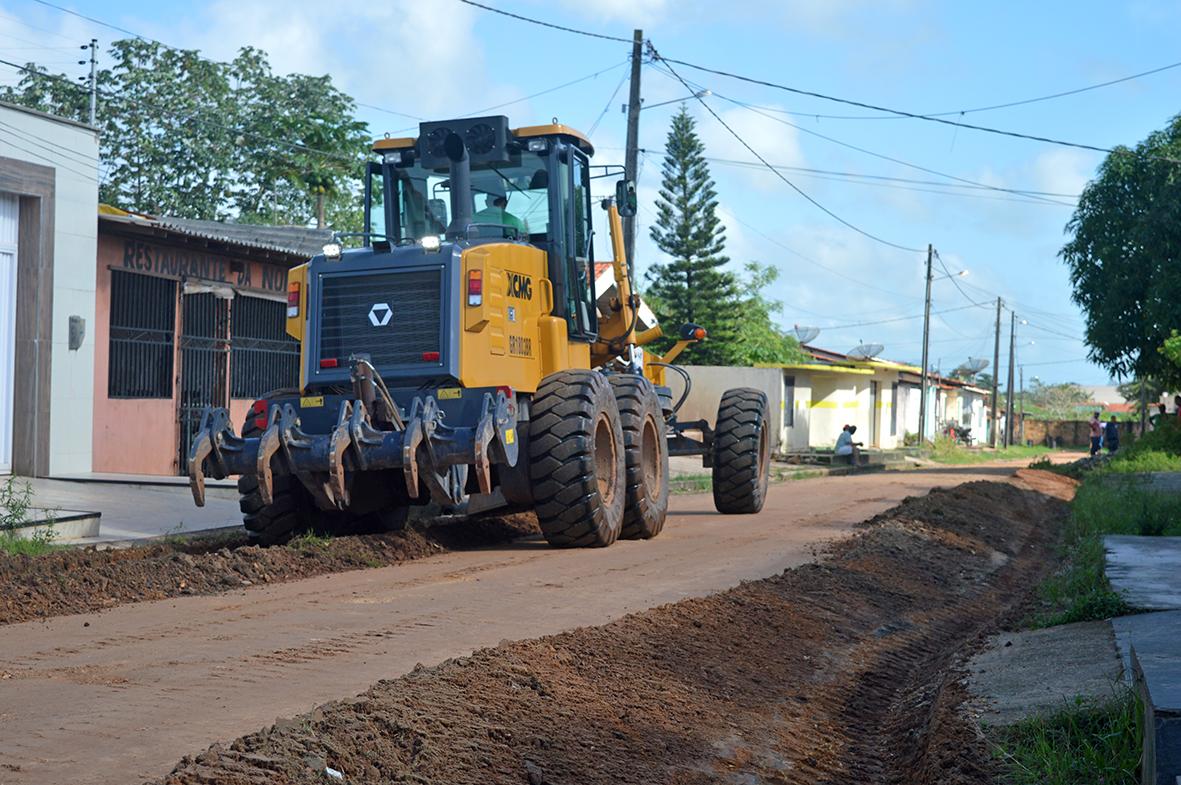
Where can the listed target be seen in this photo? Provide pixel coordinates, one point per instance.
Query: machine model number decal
(311, 401)
(520, 346)
(519, 286)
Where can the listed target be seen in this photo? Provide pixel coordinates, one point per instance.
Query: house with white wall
(48, 236)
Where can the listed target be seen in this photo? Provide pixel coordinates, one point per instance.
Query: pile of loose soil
(84, 580)
(835, 672)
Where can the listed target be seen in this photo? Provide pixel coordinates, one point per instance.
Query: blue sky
(439, 58)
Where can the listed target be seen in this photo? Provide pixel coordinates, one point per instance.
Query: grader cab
(461, 357)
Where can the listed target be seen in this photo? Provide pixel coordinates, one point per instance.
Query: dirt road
(120, 696)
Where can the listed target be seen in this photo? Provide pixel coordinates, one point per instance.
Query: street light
(698, 94)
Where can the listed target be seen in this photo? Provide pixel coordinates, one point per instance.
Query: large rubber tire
(576, 460)
(646, 456)
(741, 451)
(291, 511)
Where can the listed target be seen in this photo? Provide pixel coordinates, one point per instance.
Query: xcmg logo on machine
(380, 314)
(519, 286)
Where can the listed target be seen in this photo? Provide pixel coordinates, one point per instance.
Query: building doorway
(9, 212)
(204, 361)
(875, 410)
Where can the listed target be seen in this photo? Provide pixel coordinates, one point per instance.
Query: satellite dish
(865, 351)
(973, 366)
(806, 334)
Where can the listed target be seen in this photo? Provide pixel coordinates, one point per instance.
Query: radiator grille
(392, 317)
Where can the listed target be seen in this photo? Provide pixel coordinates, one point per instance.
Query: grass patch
(1144, 461)
(16, 500)
(1104, 504)
(946, 451)
(700, 483)
(1082, 743)
(310, 540)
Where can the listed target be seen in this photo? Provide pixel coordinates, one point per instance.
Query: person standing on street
(1111, 435)
(1096, 434)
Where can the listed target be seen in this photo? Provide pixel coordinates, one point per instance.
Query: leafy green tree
(1124, 255)
(185, 136)
(694, 285)
(1058, 401)
(757, 338)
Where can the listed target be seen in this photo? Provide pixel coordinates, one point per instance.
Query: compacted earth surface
(82, 580)
(846, 670)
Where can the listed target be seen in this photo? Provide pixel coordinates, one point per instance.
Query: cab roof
(565, 132)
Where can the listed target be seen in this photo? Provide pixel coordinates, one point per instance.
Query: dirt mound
(836, 672)
(77, 581)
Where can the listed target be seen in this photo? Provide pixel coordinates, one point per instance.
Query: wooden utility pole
(926, 346)
(1009, 395)
(996, 373)
(633, 140)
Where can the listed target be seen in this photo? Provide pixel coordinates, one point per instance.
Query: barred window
(263, 356)
(143, 329)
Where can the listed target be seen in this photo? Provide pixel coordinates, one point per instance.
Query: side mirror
(625, 198)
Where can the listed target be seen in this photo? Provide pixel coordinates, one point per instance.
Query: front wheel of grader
(576, 460)
(741, 451)
(646, 456)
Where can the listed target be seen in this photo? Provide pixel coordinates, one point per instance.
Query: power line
(56, 162)
(882, 156)
(956, 112)
(772, 169)
(897, 319)
(899, 112)
(550, 25)
(135, 35)
(607, 106)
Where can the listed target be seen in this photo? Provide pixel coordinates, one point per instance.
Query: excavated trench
(843, 671)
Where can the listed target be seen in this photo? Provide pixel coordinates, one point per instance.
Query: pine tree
(694, 286)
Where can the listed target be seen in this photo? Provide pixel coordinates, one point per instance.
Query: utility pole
(93, 82)
(1021, 372)
(633, 140)
(996, 373)
(1009, 395)
(926, 343)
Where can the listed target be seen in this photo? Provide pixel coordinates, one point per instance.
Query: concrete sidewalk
(138, 508)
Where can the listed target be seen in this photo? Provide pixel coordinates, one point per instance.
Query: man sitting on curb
(847, 447)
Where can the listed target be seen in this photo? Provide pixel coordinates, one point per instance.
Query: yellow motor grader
(462, 356)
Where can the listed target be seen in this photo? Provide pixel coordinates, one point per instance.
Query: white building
(48, 230)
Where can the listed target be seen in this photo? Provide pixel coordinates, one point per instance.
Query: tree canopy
(1124, 256)
(185, 136)
(694, 285)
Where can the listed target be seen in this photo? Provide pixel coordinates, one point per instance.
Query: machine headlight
(430, 243)
(394, 157)
(332, 251)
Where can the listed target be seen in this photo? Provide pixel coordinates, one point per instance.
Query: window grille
(263, 356)
(143, 329)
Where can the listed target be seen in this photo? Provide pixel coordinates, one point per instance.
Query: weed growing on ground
(1083, 742)
(1144, 461)
(16, 499)
(944, 450)
(1065, 469)
(1102, 505)
(310, 540)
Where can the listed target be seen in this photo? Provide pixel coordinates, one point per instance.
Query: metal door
(204, 362)
(9, 210)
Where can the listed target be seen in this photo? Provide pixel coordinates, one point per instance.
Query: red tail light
(430, 357)
(330, 362)
(259, 410)
(293, 299)
(475, 287)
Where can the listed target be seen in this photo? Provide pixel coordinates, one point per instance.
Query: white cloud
(636, 12)
(1064, 171)
(413, 58)
(779, 144)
